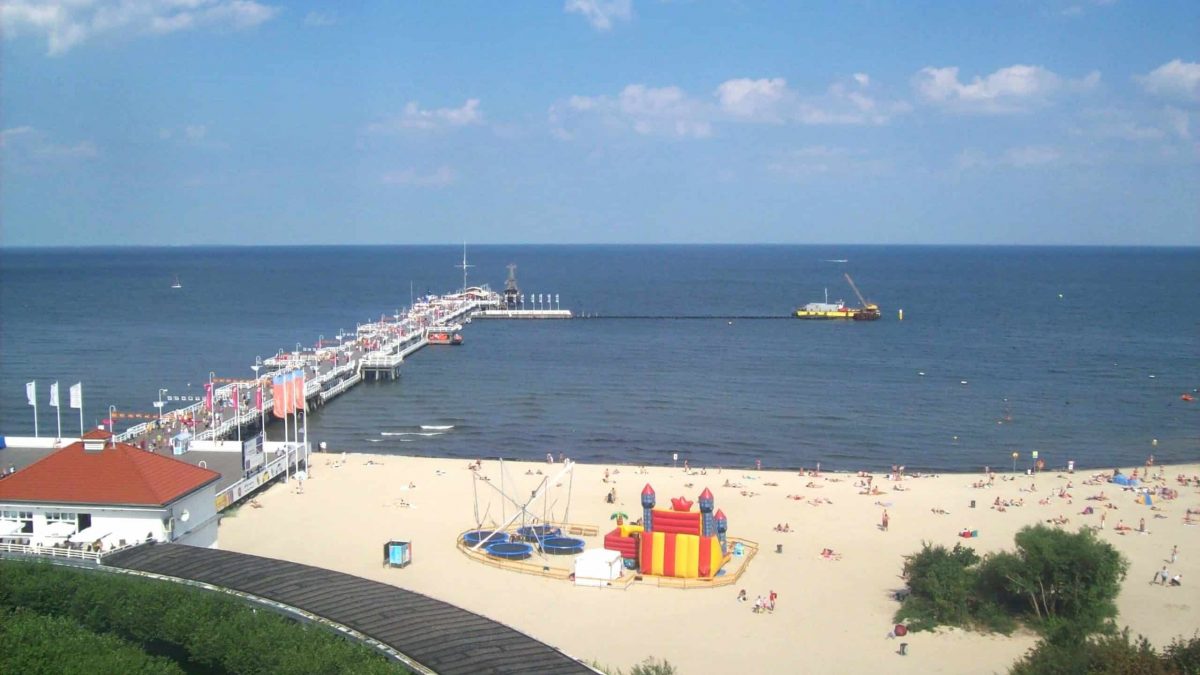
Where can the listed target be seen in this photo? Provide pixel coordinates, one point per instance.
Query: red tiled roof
(115, 475)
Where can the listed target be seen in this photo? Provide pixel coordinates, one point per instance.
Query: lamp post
(258, 397)
(159, 404)
(112, 426)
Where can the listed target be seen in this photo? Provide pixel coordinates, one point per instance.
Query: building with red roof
(102, 494)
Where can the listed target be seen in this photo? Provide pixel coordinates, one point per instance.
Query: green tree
(1062, 582)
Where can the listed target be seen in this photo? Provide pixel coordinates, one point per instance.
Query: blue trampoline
(510, 550)
(473, 537)
(538, 532)
(562, 545)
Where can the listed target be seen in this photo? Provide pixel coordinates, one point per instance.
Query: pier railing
(393, 342)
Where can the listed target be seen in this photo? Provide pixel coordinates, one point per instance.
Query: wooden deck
(434, 635)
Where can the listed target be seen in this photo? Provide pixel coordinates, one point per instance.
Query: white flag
(77, 395)
(54, 395)
(31, 393)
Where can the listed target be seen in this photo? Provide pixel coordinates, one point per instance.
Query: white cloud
(416, 118)
(772, 101)
(1180, 122)
(27, 146)
(440, 177)
(757, 100)
(669, 111)
(648, 111)
(1116, 123)
(1013, 89)
(68, 23)
(601, 13)
(1176, 79)
(319, 19)
(1021, 157)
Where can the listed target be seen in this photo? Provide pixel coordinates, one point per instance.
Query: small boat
(176, 284)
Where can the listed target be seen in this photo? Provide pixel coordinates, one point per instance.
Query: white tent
(59, 529)
(88, 535)
(597, 567)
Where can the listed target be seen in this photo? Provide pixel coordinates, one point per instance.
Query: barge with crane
(866, 311)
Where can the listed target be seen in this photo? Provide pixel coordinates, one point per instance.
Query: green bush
(32, 643)
(1063, 584)
(213, 631)
(1110, 654)
(944, 590)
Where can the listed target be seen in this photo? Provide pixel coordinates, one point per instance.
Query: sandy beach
(832, 615)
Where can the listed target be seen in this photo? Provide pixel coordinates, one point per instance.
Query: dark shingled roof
(437, 635)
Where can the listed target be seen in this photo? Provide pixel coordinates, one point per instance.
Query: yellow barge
(867, 311)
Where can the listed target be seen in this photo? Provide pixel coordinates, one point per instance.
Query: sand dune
(832, 615)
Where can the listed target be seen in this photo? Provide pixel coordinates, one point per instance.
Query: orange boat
(444, 336)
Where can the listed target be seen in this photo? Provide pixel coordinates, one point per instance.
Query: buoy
(1153, 376)
(921, 373)
(1060, 296)
(962, 382)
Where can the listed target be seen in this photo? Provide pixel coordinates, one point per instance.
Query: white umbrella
(8, 527)
(59, 528)
(87, 535)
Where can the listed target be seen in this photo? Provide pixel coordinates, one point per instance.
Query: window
(65, 517)
(23, 517)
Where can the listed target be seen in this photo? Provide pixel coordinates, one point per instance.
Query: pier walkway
(427, 635)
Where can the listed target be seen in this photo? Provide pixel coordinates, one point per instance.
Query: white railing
(50, 551)
(340, 387)
(278, 466)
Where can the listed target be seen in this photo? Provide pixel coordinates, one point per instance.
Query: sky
(249, 122)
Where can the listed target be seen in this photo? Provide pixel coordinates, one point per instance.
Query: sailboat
(176, 284)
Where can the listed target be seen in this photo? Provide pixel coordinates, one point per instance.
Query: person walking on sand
(1174, 553)
(885, 520)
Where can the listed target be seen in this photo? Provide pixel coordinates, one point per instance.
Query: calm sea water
(1079, 353)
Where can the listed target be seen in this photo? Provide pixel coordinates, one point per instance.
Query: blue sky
(177, 122)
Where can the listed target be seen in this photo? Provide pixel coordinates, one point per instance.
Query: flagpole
(57, 410)
(79, 388)
(31, 394)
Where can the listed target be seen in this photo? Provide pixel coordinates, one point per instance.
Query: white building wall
(135, 524)
(200, 528)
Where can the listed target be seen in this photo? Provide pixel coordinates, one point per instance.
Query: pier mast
(464, 267)
(512, 294)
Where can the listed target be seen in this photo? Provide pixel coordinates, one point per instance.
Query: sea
(680, 352)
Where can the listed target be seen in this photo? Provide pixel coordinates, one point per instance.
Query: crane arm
(862, 302)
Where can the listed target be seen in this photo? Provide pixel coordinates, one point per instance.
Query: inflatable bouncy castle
(678, 542)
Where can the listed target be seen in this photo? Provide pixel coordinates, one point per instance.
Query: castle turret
(647, 506)
(707, 524)
(722, 526)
